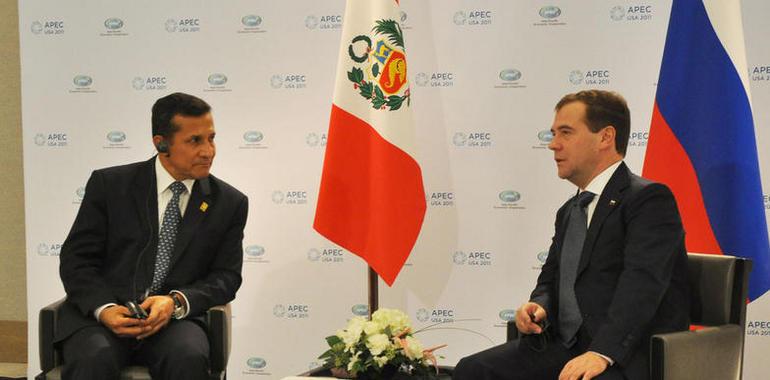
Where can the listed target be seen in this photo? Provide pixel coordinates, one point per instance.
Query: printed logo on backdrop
(150, 83)
(82, 84)
(544, 138)
(49, 249)
(631, 13)
(47, 27)
(290, 197)
(116, 140)
(766, 198)
(476, 259)
(253, 139)
(591, 77)
(549, 15)
(328, 255)
(403, 18)
(638, 139)
(291, 311)
(51, 139)
(325, 22)
(251, 24)
(288, 81)
(541, 257)
(473, 17)
(254, 253)
(314, 139)
(217, 82)
(360, 310)
(435, 315)
(79, 193)
(256, 365)
(504, 316)
(183, 25)
(113, 27)
(440, 199)
(509, 78)
(509, 199)
(758, 328)
(435, 79)
(475, 140)
(760, 73)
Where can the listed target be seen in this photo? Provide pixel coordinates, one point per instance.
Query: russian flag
(371, 200)
(702, 142)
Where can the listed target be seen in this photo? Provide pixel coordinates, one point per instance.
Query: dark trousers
(178, 351)
(527, 358)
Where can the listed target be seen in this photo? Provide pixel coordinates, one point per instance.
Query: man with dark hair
(164, 234)
(616, 271)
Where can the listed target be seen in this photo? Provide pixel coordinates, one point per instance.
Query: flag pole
(373, 292)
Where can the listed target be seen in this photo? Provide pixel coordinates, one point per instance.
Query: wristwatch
(178, 307)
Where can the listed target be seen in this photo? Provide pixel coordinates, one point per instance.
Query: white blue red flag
(371, 200)
(702, 142)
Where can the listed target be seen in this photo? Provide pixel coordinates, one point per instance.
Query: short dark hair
(171, 105)
(604, 108)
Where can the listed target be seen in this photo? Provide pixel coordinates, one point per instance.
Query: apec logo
(758, 328)
(291, 197)
(253, 140)
(115, 139)
(256, 363)
(760, 73)
(113, 27)
(435, 79)
(477, 139)
(49, 249)
(435, 315)
(217, 82)
(591, 77)
(360, 310)
(47, 28)
(509, 78)
(638, 12)
(316, 139)
(291, 311)
(183, 25)
(507, 315)
(327, 22)
(441, 198)
(326, 255)
(542, 256)
(638, 139)
(473, 258)
(80, 193)
(288, 81)
(157, 82)
(51, 139)
(82, 81)
(251, 24)
(509, 199)
(545, 136)
(549, 16)
(474, 17)
(254, 254)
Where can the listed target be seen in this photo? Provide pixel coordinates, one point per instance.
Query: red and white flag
(371, 200)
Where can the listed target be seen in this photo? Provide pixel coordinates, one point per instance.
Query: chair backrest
(719, 289)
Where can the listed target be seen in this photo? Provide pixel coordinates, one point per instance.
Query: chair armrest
(709, 353)
(46, 334)
(219, 328)
(511, 332)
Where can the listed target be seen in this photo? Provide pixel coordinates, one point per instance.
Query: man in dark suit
(616, 271)
(163, 233)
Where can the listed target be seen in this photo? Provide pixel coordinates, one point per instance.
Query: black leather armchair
(219, 332)
(719, 291)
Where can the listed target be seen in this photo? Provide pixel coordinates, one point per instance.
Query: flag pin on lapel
(204, 206)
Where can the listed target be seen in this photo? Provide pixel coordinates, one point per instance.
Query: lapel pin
(204, 206)
(613, 202)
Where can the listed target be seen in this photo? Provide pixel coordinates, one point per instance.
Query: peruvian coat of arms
(379, 69)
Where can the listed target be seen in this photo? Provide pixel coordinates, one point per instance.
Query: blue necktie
(569, 311)
(171, 218)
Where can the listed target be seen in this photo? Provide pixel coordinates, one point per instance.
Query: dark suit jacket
(632, 275)
(109, 254)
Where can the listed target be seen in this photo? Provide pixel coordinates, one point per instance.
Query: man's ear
(608, 136)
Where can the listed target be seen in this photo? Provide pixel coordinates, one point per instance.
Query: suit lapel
(197, 208)
(609, 200)
(145, 196)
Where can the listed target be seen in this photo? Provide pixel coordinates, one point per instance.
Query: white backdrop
(485, 77)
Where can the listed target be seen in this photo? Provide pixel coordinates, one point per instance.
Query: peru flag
(371, 200)
(702, 142)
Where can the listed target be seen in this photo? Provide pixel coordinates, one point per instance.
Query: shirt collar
(597, 184)
(164, 179)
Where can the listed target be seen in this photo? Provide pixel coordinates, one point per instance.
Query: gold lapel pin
(613, 202)
(204, 206)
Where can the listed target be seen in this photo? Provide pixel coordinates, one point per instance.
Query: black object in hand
(136, 311)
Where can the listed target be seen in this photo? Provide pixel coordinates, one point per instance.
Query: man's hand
(588, 365)
(160, 308)
(118, 320)
(528, 316)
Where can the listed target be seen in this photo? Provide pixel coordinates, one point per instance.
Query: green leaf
(378, 92)
(332, 340)
(376, 69)
(356, 75)
(391, 29)
(366, 90)
(394, 102)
